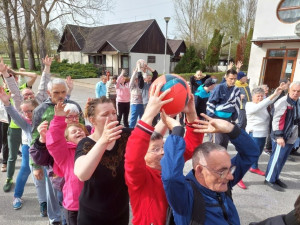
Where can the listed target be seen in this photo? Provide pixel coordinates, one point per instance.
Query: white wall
(256, 58)
(266, 22)
(158, 65)
(74, 57)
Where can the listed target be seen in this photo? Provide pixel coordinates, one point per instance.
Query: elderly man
(284, 134)
(212, 175)
(57, 91)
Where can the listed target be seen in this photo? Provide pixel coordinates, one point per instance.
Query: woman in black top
(99, 162)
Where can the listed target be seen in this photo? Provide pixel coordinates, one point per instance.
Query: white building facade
(275, 43)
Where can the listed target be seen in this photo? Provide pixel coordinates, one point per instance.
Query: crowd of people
(91, 174)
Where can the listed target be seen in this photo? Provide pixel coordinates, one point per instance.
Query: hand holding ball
(179, 92)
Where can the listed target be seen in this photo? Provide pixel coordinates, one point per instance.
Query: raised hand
(47, 61)
(42, 129)
(230, 65)
(59, 109)
(4, 97)
(239, 65)
(169, 121)
(70, 83)
(190, 110)
(212, 125)
(3, 67)
(155, 103)
(111, 132)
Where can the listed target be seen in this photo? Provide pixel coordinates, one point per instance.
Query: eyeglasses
(157, 150)
(222, 174)
(75, 117)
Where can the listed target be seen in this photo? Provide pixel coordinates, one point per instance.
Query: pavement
(256, 203)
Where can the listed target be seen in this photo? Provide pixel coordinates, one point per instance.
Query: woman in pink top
(63, 153)
(123, 99)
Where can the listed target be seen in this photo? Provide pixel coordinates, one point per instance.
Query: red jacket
(147, 196)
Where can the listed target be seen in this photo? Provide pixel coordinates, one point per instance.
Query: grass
(7, 62)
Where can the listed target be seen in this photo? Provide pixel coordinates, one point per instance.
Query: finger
(206, 116)
(112, 135)
(164, 93)
(167, 101)
(157, 90)
(202, 122)
(200, 131)
(152, 90)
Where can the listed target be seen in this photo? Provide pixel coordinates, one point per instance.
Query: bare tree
(46, 11)
(11, 52)
(249, 12)
(14, 9)
(27, 4)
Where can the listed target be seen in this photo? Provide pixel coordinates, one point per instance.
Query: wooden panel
(152, 41)
(68, 43)
(273, 72)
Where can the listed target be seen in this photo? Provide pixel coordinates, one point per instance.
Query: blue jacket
(100, 89)
(178, 188)
(225, 100)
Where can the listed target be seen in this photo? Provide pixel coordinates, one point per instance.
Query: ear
(198, 170)
(92, 120)
(48, 92)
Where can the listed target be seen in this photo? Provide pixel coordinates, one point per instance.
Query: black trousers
(3, 141)
(71, 217)
(123, 111)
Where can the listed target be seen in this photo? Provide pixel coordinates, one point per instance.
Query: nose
(229, 176)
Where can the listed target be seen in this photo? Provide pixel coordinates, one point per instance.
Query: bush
(75, 70)
(190, 62)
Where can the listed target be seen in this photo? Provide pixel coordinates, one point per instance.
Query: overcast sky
(137, 10)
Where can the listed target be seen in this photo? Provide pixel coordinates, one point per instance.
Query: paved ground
(254, 204)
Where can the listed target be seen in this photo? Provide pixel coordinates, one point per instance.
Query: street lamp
(230, 39)
(167, 19)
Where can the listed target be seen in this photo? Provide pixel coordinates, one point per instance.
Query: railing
(103, 69)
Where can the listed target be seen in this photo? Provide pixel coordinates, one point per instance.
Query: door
(273, 72)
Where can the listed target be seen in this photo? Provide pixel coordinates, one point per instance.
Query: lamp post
(167, 19)
(230, 39)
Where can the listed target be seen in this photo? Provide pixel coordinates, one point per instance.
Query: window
(276, 53)
(151, 59)
(124, 61)
(288, 11)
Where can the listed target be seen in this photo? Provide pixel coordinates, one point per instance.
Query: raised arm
(41, 94)
(138, 142)
(172, 164)
(55, 141)
(12, 85)
(120, 78)
(132, 78)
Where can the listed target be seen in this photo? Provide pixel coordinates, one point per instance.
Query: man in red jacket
(144, 151)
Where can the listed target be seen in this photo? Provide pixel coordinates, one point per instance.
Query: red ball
(180, 92)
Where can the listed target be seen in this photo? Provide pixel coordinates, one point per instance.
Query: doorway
(278, 63)
(273, 72)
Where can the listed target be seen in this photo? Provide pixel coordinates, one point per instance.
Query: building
(178, 48)
(119, 46)
(276, 42)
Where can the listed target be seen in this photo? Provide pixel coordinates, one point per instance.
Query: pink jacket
(123, 91)
(63, 153)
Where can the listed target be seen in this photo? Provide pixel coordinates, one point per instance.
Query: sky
(137, 10)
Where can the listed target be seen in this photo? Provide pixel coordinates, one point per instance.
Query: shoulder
(85, 145)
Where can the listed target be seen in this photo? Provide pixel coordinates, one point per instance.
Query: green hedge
(75, 70)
